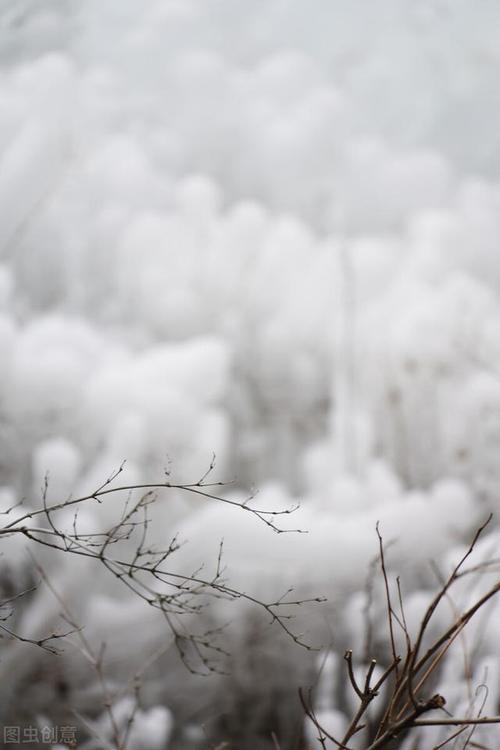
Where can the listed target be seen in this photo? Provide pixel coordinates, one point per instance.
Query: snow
(326, 711)
(65, 462)
(149, 730)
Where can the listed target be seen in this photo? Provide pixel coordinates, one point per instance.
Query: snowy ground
(266, 230)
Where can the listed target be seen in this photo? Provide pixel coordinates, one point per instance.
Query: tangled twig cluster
(143, 568)
(401, 693)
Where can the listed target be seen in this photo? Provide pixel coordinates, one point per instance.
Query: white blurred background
(263, 230)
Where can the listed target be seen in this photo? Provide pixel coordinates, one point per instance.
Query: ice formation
(264, 231)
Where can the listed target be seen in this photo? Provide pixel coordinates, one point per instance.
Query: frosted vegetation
(267, 231)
